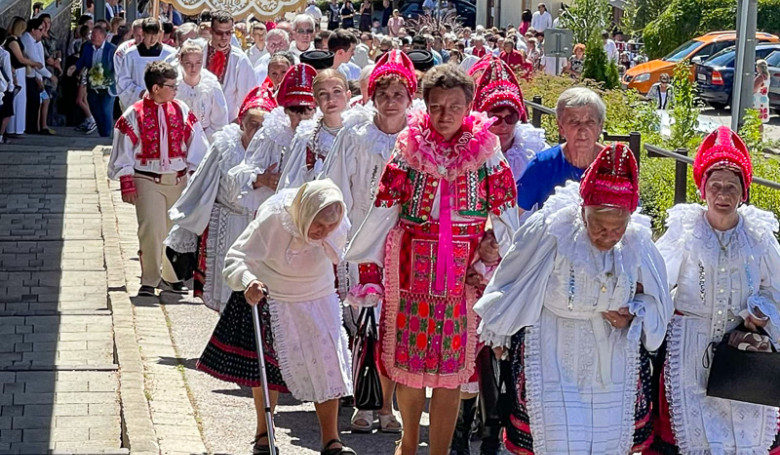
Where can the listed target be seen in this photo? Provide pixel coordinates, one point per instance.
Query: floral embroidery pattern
(178, 132)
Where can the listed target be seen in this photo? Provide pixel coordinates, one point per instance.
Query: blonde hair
(190, 47)
(326, 74)
(762, 67)
(18, 26)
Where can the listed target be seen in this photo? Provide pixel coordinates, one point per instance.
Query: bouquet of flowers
(97, 78)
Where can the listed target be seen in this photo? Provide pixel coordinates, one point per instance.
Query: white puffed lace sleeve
(674, 244)
(514, 297)
(654, 306)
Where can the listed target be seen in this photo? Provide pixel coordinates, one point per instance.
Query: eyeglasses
(221, 33)
(510, 119)
(172, 86)
(307, 31)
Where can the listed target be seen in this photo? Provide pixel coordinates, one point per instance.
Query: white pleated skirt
(312, 347)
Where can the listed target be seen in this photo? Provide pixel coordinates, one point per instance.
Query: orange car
(642, 77)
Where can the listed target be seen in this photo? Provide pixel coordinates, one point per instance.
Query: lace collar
(426, 151)
(563, 217)
(277, 128)
(688, 224)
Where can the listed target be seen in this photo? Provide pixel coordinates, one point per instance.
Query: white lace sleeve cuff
(769, 310)
(493, 339)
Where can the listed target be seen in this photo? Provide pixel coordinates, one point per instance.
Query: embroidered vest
(179, 131)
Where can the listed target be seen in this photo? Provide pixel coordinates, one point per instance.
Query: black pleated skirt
(231, 353)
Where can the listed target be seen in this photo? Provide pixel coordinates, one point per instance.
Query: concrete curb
(138, 433)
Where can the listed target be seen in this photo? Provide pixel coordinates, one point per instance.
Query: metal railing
(634, 139)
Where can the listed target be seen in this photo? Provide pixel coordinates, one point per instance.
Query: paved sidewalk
(59, 378)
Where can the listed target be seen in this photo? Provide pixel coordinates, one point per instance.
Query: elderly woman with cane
(288, 253)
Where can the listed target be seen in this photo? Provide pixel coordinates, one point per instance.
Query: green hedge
(626, 112)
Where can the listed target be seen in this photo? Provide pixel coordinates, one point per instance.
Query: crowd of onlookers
(47, 80)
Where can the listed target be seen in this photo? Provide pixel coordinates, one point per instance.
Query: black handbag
(747, 376)
(365, 375)
(183, 263)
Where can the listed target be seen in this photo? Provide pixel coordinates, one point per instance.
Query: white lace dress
(306, 321)
(206, 101)
(212, 200)
(714, 286)
(270, 146)
(581, 374)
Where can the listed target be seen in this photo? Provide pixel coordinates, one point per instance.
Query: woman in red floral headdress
(446, 178)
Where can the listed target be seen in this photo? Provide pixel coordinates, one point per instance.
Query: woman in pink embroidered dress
(445, 179)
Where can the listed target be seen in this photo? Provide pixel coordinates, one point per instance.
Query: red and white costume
(234, 72)
(720, 277)
(498, 88)
(429, 215)
(155, 145)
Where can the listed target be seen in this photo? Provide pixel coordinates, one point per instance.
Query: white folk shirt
(206, 101)
(254, 54)
(581, 373)
(528, 142)
(130, 74)
(541, 21)
(34, 51)
(126, 147)
(238, 81)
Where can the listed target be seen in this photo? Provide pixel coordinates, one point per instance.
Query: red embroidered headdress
(476, 70)
(396, 63)
(612, 180)
(261, 97)
(497, 88)
(296, 87)
(722, 148)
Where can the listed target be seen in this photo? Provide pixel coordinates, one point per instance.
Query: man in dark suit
(100, 94)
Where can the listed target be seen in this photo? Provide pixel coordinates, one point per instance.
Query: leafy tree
(685, 19)
(596, 66)
(585, 17)
(638, 13)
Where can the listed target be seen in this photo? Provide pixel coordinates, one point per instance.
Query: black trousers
(33, 106)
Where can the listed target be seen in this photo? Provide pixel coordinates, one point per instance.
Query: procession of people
(412, 187)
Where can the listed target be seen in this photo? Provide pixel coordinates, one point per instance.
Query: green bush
(627, 112)
(596, 66)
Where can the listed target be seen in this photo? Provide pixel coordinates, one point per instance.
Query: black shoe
(177, 287)
(146, 291)
(262, 449)
(343, 450)
(461, 439)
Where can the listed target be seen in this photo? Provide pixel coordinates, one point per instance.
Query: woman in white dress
(210, 214)
(200, 90)
(585, 290)
(359, 155)
(265, 156)
(723, 263)
(288, 252)
(314, 138)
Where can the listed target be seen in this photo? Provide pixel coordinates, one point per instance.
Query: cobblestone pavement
(59, 378)
(194, 412)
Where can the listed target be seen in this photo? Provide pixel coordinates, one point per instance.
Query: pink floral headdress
(723, 148)
(612, 180)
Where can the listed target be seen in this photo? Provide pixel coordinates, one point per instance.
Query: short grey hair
(579, 97)
(279, 32)
(302, 18)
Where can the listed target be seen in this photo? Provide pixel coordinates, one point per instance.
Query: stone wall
(11, 8)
